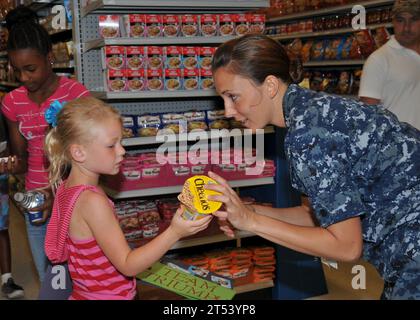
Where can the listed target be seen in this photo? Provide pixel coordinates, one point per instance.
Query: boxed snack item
(109, 26)
(178, 170)
(117, 80)
(216, 119)
(154, 79)
(129, 127)
(173, 57)
(150, 230)
(135, 25)
(128, 220)
(242, 22)
(189, 25)
(196, 120)
(209, 25)
(194, 198)
(226, 24)
(154, 57)
(148, 125)
(171, 25)
(190, 79)
(257, 23)
(190, 57)
(135, 57)
(206, 57)
(172, 79)
(206, 79)
(115, 57)
(175, 122)
(135, 80)
(153, 25)
(151, 169)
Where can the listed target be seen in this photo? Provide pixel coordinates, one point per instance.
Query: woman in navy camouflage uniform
(359, 166)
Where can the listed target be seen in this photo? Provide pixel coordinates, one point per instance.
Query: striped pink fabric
(93, 275)
(17, 107)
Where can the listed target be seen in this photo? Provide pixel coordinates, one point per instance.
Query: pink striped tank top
(93, 275)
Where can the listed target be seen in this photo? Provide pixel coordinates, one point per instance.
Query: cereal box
(209, 25)
(241, 24)
(189, 25)
(154, 79)
(171, 25)
(115, 57)
(135, 25)
(135, 57)
(153, 25)
(190, 57)
(190, 79)
(206, 79)
(109, 26)
(172, 79)
(173, 57)
(206, 57)
(135, 80)
(117, 80)
(154, 57)
(226, 24)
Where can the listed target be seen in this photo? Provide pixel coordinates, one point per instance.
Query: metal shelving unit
(330, 10)
(177, 189)
(326, 33)
(158, 94)
(330, 63)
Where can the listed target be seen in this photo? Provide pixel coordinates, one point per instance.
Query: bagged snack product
(294, 49)
(171, 25)
(154, 79)
(115, 57)
(129, 127)
(306, 51)
(317, 51)
(172, 79)
(154, 57)
(345, 82)
(195, 198)
(135, 57)
(206, 57)
(333, 48)
(148, 125)
(153, 25)
(206, 79)
(329, 83)
(209, 25)
(381, 36)
(356, 81)
(190, 78)
(196, 120)
(226, 24)
(257, 23)
(190, 57)
(109, 26)
(366, 42)
(135, 25)
(316, 81)
(173, 57)
(135, 80)
(216, 119)
(117, 80)
(189, 25)
(242, 21)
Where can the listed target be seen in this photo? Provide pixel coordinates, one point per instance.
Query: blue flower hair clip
(52, 112)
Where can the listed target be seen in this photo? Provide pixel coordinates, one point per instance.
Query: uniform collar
(288, 100)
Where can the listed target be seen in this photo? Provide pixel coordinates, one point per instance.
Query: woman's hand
(8, 164)
(46, 207)
(238, 215)
(184, 228)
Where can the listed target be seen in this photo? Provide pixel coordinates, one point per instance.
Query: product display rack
(89, 70)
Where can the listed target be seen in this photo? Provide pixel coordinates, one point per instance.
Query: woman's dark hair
(25, 32)
(256, 57)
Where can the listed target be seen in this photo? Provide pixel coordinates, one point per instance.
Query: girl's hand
(184, 228)
(46, 208)
(239, 215)
(7, 164)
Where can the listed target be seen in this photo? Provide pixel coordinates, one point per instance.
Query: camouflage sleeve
(322, 167)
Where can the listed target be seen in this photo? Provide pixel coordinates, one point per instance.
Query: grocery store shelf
(330, 63)
(141, 141)
(100, 6)
(40, 4)
(64, 65)
(176, 189)
(326, 33)
(9, 84)
(99, 43)
(330, 10)
(159, 94)
(254, 286)
(210, 239)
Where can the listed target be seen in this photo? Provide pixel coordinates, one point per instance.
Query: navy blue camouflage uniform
(353, 159)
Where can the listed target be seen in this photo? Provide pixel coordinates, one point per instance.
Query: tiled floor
(339, 281)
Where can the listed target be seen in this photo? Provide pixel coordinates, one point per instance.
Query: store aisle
(338, 281)
(23, 268)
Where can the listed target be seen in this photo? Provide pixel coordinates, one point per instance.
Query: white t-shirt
(392, 75)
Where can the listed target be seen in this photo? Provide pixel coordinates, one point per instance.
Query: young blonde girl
(84, 230)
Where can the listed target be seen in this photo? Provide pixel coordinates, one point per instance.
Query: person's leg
(8, 286)
(36, 238)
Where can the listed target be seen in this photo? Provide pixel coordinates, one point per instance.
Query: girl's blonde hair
(74, 122)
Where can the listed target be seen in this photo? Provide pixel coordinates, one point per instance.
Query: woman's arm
(93, 216)
(341, 241)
